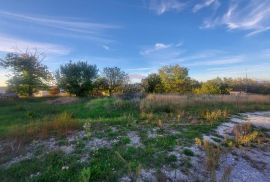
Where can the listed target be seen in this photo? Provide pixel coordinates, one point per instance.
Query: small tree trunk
(30, 91)
(110, 92)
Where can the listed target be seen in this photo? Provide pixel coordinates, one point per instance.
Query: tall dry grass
(168, 103)
(213, 154)
(58, 125)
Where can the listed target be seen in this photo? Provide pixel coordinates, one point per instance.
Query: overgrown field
(108, 139)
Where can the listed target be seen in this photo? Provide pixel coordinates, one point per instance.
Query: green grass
(111, 119)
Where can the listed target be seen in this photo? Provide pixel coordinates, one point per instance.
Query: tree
(29, 73)
(115, 78)
(175, 79)
(152, 83)
(101, 86)
(214, 86)
(77, 78)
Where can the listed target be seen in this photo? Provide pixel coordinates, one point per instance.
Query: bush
(243, 134)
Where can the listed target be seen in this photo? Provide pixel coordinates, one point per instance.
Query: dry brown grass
(59, 125)
(163, 102)
(213, 154)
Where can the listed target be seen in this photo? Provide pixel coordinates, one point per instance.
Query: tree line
(83, 79)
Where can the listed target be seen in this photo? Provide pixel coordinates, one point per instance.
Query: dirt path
(246, 164)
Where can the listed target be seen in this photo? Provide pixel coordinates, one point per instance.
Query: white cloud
(163, 6)
(250, 15)
(220, 61)
(205, 4)
(155, 48)
(13, 44)
(69, 25)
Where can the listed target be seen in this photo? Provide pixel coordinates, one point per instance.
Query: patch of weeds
(104, 166)
(215, 115)
(244, 134)
(213, 154)
(162, 143)
(80, 146)
(123, 140)
(52, 167)
(188, 152)
(171, 159)
(185, 164)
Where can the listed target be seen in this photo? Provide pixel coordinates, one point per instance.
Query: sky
(225, 38)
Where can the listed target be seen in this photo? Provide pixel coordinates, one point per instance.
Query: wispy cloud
(155, 48)
(250, 15)
(163, 6)
(205, 4)
(69, 25)
(160, 53)
(220, 61)
(14, 44)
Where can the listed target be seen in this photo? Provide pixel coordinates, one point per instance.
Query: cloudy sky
(211, 37)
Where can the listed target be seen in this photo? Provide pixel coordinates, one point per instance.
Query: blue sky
(210, 37)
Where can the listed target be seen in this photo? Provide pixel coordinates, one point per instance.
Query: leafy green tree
(175, 79)
(29, 74)
(115, 78)
(152, 83)
(214, 86)
(101, 86)
(77, 78)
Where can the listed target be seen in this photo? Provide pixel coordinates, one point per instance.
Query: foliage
(249, 85)
(53, 91)
(101, 86)
(115, 78)
(244, 134)
(175, 79)
(77, 78)
(152, 83)
(29, 73)
(214, 86)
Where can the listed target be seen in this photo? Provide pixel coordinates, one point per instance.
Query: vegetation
(215, 86)
(115, 78)
(77, 78)
(152, 84)
(107, 138)
(175, 79)
(112, 121)
(29, 73)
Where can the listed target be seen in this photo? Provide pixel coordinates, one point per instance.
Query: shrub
(188, 152)
(243, 134)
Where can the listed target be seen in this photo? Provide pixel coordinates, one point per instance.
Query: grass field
(106, 139)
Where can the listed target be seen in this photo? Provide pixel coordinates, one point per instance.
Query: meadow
(110, 139)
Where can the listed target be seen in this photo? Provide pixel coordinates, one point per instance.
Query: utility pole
(246, 82)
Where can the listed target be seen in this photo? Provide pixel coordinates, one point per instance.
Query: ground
(111, 139)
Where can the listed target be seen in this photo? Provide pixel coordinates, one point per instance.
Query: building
(236, 93)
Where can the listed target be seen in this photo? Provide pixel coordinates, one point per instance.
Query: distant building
(42, 93)
(236, 93)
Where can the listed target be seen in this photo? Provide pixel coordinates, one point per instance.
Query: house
(236, 93)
